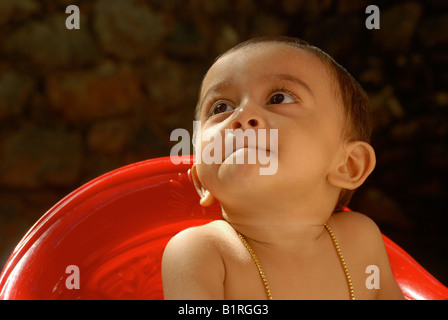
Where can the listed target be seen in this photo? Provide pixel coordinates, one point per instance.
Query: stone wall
(77, 103)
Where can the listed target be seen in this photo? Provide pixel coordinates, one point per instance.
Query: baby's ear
(207, 199)
(358, 163)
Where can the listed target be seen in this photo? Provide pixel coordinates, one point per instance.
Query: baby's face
(271, 86)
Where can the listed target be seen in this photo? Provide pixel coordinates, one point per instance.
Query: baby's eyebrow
(300, 82)
(217, 87)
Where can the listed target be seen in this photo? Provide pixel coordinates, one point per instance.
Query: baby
(283, 235)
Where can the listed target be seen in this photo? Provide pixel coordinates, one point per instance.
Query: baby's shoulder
(192, 263)
(363, 246)
(357, 231)
(355, 224)
(203, 239)
(212, 231)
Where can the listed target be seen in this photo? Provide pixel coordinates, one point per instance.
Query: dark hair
(358, 124)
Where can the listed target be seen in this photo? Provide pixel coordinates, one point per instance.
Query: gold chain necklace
(338, 250)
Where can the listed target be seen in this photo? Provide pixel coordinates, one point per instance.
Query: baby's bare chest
(319, 278)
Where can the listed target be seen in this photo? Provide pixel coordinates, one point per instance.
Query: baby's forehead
(267, 58)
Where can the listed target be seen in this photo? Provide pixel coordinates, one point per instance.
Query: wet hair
(355, 102)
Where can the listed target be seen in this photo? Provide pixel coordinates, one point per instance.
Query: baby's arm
(192, 267)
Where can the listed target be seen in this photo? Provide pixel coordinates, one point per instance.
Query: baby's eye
(280, 98)
(220, 108)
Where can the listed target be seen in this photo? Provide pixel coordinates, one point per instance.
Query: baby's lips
(233, 140)
(252, 142)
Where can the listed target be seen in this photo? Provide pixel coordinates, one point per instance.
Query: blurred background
(75, 104)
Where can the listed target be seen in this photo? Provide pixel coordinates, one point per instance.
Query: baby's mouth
(252, 148)
(236, 143)
(241, 158)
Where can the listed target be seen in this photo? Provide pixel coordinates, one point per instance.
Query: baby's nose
(247, 118)
(251, 123)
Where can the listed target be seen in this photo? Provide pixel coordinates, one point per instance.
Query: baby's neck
(284, 233)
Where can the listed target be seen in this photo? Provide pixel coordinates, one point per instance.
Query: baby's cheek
(207, 175)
